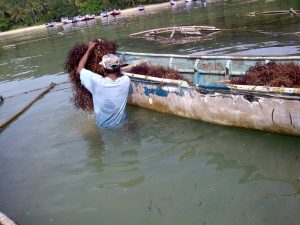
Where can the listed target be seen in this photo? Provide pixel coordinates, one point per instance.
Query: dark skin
(85, 57)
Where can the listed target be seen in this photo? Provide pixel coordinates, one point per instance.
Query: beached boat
(50, 24)
(207, 95)
(104, 13)
(115, 12)
(65, 20)
(78, 19)
(141, 7)
(89, 17)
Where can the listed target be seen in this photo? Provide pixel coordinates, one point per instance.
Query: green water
(57, 167)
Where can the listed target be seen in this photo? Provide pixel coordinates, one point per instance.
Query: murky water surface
(57, 167)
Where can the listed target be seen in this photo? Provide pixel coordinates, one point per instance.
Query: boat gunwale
(211, 91)
(228, 57)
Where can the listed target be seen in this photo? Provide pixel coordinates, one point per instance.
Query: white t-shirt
(109, 97)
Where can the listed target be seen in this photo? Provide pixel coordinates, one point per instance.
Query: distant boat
(78, 19)
(65, 20)
(115, 12)
(50, 24)
(104, 13)
(173, 2)
(141, 7)
(89, 17)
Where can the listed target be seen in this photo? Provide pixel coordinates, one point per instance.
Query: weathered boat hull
(273, 114)
(267, 109)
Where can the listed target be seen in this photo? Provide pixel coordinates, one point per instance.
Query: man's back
(109, 97)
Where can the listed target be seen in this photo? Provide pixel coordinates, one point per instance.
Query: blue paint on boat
(214, 86)
(157, 91)
(130, 89)
(199, 80)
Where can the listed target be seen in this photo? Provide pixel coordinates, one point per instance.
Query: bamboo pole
(16, 115)
(266, 89)
(4, 220)
(182, 83)
(293, 11)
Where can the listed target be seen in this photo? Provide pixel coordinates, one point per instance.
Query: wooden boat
(50, 24)
(179, 34)
(65, 20)
(78, 19)
(207, 95)
(141, 8)
(89, 17)
(104, 13)
(115, 12)
(185, 30)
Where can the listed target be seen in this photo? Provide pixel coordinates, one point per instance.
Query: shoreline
(124, 13)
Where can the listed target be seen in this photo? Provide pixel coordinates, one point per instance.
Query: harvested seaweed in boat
(156, 71)
(82, 98)
(271, 74)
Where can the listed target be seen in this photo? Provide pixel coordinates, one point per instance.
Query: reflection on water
(57, 167)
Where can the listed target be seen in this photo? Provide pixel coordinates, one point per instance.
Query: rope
(16, 115)
(33, 90)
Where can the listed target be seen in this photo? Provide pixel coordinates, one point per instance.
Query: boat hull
(207, 96)
(262, 112)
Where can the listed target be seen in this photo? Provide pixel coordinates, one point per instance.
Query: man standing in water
(109, 92)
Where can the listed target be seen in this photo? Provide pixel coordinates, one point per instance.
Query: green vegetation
(22, 13)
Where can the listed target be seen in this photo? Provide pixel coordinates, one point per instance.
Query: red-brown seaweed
(82, 98)
(156, 71)
(271, 74)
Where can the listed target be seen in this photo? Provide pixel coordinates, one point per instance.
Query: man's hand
(92, 44)
(84, 58)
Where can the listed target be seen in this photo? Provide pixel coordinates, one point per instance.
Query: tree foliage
(16, 13)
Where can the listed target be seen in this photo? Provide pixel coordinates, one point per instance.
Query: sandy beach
(125, 13)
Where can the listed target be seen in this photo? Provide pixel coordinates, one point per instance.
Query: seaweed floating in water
(271, 74)
(82, 98)
(156, 71)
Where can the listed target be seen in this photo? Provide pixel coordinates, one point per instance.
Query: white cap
(110, 61)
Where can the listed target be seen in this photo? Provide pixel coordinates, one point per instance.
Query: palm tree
(16, 14)
(33, 8)
(3, 9)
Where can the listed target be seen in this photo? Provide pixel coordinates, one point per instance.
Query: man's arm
(85, 57)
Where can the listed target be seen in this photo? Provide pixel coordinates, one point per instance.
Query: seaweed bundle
(82, 98)
(156, 71)
(271, 74)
